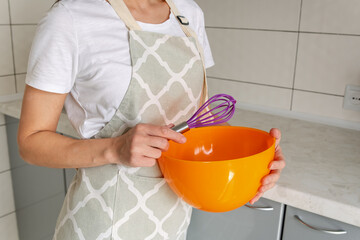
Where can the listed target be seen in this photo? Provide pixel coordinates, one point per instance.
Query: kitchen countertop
(322, 174)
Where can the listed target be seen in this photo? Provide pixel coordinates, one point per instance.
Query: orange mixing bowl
(219, 168)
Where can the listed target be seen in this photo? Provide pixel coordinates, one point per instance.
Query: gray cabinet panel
(9, 119)
(69, 175)
(242, 223)
(32, 184)
(294, 230)
(38, 221)
(11, 132)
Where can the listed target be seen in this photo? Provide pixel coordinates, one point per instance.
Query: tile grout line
(12, 45)
(252, 29)
(24, 24)
(18, 24)
(7, 75)
(8, 170)
(253, 83)
(285, 31)
(296, 58)
(39, 201)
(274, 86)
(7, 214)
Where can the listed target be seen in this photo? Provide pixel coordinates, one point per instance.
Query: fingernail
(183, 139)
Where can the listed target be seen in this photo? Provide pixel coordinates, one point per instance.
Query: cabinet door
(261, 221)
(38, 192)
(301, 225)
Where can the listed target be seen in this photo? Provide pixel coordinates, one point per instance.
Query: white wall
(289, 56)
(18, 19)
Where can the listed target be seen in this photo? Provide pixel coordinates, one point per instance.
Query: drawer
(319, 227)
(262, 221)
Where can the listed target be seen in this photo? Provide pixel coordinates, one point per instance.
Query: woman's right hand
(143, 144)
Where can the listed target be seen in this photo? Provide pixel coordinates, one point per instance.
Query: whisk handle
(181, 128)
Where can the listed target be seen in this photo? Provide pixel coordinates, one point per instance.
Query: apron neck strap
(123, 12)
(181, 19)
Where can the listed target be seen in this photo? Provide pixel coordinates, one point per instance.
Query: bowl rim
(225, 160)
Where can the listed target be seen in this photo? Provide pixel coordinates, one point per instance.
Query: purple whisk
(222, 112)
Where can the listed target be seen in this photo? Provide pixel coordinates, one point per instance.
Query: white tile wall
(6, 58)
(22, 39)
(20, 10)
(331, 16)
(6, 192)
(252, 93)
(253, 56)
(326, 63)
(255, 44)
(8, 227)
(258, 14)
(323, 105)
(20, 82)
(4, 152)
(7, 85)
(4, 12)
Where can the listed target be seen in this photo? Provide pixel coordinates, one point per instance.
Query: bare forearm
(50, 149)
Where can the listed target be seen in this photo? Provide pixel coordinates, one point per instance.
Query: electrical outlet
(352, 97)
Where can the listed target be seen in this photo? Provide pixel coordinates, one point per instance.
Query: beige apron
(118, 202)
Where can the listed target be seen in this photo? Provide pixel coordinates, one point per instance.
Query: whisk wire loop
(221, 113)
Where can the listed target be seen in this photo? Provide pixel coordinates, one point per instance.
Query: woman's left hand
(275, 166)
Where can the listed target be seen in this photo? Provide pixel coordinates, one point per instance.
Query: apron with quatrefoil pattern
(119, 202)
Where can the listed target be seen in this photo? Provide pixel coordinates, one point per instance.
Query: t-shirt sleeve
(208, 58)
(53, 58)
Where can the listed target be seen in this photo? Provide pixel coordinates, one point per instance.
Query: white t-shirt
(82, 47)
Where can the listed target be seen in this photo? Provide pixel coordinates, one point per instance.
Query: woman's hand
(143, 144)
(275, 166)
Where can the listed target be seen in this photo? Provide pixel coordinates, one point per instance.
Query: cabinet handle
(260, 208)
(319, 229)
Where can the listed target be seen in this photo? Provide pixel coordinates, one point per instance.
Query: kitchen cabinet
(299, 225)
(263, 220)
(38, 191)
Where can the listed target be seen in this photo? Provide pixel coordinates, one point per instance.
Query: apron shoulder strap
(184, 23)
(123, 12)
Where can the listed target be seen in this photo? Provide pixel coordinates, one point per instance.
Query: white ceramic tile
(252, 93)
(8, 227)
(4, 151)
(253, 56)
(6, 57)
(20, 83)
(6, 192)
(7, 85)
(25, 11)
(4, 12)
(259, 14)
(22, 38)
(323, 105)
(327, 63)
(332, 16)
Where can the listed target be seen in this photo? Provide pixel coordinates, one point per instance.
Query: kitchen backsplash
(292, 56)
(289, 56)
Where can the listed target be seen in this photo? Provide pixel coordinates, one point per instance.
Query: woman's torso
(103, 65)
